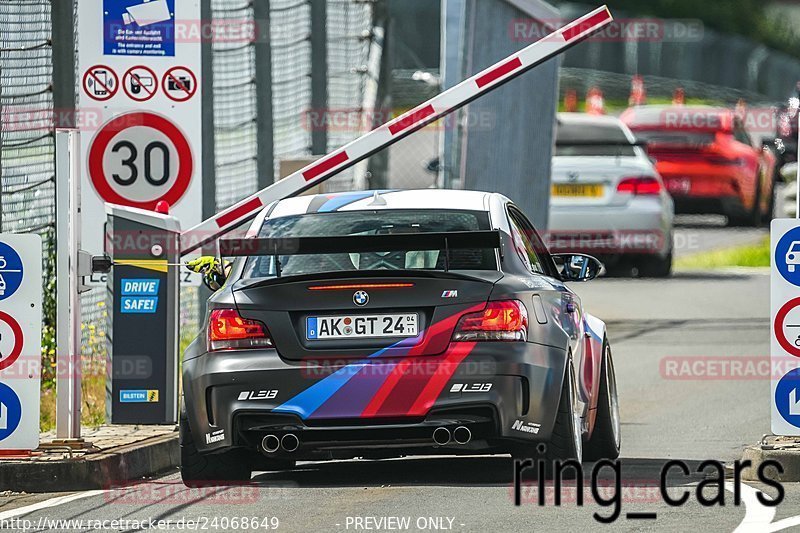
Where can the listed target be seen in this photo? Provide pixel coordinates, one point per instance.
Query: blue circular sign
(10, 271)
(787, 256)
(787, 397)
(10, 411)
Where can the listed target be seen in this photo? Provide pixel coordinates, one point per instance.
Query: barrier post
(68, 303)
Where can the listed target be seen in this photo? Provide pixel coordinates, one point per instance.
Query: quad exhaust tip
(270, 444)
(441, 436)
(290, 442)
(462, 435)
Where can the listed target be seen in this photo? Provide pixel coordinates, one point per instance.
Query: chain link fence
(234, 107)
(26, 102)
(290, 28)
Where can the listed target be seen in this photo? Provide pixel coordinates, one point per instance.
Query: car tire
(656, 266)
(606, 435)
(198, 469)
(566, 441)
(747, 219)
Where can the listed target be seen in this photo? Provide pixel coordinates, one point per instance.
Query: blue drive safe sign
(139, 296)
(139, 28)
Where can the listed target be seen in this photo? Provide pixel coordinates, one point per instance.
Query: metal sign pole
(797, 195)
(68, 307)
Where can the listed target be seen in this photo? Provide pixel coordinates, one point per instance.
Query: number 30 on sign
(139, 159)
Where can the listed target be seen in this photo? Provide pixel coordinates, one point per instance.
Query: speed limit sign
(139, 159)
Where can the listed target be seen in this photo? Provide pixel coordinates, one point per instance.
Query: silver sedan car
(608, 200)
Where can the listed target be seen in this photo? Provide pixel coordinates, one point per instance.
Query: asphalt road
(701, 233)
(670, 410)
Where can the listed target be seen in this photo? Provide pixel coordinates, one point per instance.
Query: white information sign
(140, 108)
(20, 340)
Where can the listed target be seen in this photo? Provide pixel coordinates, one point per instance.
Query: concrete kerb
(93, 471)
(784, 450)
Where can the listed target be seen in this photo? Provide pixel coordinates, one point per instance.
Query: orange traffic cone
(595, 102)
(571, 101)
(638, 91)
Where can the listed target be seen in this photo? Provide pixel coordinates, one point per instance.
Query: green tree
(748, 18)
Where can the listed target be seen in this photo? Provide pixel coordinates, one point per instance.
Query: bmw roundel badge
(361, 298)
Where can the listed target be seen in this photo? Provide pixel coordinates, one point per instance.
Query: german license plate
(679, 185)
(578, 190)
(361, 326)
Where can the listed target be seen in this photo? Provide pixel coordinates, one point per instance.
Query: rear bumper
(698, 205)
(697, 187)
(235, 399)
(643, 226)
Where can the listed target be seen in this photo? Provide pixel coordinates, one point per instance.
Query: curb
(788, 458)
(95, 471)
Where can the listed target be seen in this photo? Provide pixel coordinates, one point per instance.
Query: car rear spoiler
(459, 240)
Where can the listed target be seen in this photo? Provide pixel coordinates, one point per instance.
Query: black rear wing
(417, 242)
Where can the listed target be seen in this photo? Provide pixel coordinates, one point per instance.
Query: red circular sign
(131, 149)
(100, 83)
(179, 84)
(778, 327)
(140, 83)
(17, 349)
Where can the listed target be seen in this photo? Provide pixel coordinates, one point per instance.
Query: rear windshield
(353, 223)
(593, 140)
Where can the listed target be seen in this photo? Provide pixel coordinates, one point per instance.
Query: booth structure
(144, 289)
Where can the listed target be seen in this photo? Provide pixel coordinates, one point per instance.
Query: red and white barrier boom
(399, 128)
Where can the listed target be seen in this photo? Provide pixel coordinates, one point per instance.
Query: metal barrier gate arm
(397, 129)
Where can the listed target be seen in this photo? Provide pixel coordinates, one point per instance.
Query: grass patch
(756, 255)
(93, 398)
(93, 393)
(617, 106)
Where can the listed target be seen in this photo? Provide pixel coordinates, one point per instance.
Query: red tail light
(505, 320)
(229, 331)
(640, 186)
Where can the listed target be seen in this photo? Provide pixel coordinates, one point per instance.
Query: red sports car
(709, 161)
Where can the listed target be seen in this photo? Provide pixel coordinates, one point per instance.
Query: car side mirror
(578, 267)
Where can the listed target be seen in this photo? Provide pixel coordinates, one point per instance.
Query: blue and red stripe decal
(406, 385)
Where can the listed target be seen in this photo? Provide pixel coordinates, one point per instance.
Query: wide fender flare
(595, 330)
